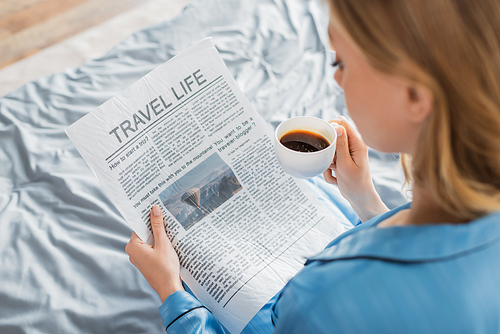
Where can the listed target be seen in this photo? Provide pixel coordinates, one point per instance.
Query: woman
(420, 77)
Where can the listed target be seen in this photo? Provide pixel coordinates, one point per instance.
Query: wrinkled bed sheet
(62, 261)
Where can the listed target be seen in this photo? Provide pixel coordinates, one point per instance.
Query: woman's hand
(352, 172)
(159, 264)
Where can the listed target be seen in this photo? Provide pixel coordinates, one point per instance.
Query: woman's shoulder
(407, 279)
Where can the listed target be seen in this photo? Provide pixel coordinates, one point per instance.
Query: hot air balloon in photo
(192, 197)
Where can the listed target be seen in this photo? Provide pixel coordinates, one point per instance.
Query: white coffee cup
(305, 165)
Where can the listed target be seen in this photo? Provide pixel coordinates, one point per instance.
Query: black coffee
(304, 141)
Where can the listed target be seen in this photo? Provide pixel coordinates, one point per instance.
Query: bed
(62, 260)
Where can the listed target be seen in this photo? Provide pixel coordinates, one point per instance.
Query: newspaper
(186, 138)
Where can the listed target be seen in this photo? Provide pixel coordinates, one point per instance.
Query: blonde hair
(453, 47)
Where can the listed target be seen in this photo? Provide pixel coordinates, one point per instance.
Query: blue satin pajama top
(408, 279)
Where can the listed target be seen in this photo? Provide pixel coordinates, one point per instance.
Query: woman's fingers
(134, 243)
(135, 238)
(356, 147)
(342, 152)
(353, 134)
(158, 228)
(159, 264)
(329, 178)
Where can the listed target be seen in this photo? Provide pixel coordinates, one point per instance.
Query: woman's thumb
(157, 226)
(342, 150)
